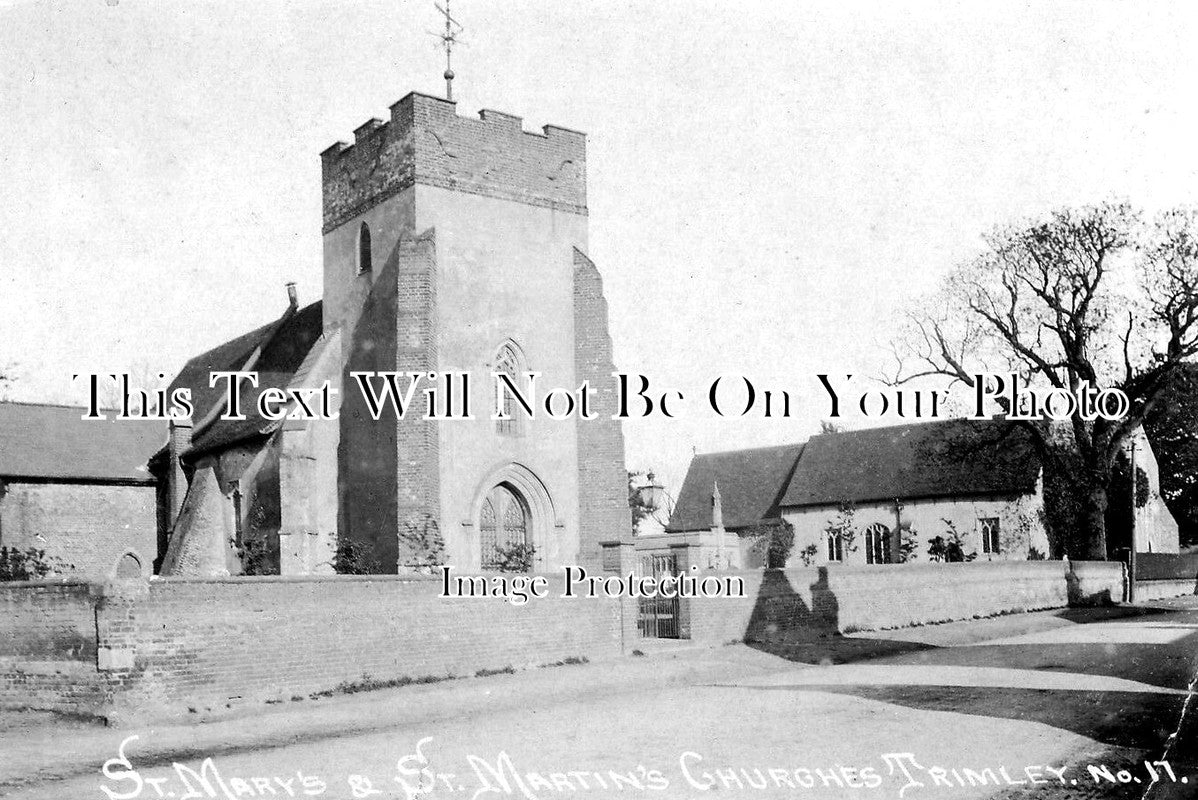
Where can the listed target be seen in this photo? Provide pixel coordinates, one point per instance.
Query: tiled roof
(950, 458)
(933, 459)
(283, 345)
(751, 483)
(53, 443)
(232, 355)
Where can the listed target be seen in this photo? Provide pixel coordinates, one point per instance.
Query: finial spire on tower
(448, 38)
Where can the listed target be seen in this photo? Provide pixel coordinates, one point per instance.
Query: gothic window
(502, 524)
(835, 546)
(877, 544)
(508, 361)
(990, 533)
(364, 263)
(488, 524)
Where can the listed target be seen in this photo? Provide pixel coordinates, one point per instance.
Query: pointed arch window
(503, 524)
(364, 258)
(877, 544)
(835, 546)
(509, 361)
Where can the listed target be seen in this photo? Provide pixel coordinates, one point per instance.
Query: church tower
(454, 244)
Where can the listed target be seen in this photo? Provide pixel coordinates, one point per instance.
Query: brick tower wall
(604, 514)
(426, 142)
(507, 205)
(418, 492)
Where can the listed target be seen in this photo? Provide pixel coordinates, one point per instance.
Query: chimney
(292, 297)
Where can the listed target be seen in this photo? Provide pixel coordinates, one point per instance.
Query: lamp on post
(654, 501)
(653, 494)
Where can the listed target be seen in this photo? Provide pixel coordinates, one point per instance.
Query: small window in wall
(990, 534)
(877, 544)
(364, 262)
(128, 566)
(508, 361)
(835, 547)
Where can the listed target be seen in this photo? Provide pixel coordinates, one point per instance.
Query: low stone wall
(1164, 589)
(169, 647)
(796, 603)
(1096, 582)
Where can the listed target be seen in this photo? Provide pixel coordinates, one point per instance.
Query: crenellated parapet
(426, 142)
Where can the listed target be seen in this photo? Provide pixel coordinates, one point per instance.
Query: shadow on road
(1151, 646)
(1126, 719)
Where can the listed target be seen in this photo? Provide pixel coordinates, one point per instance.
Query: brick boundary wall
(140, 650)
(48, 646)
(134, 651)
(781, 604)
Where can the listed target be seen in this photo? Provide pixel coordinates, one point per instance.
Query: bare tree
(1092, 296)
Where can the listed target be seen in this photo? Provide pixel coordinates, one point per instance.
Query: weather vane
(448, 38)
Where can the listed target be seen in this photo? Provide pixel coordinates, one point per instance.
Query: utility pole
(1131, 558)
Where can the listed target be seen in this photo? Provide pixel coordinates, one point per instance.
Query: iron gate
(659, 615)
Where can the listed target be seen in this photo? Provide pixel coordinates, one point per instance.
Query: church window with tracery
(508, 362)
(503, 524)
(877, 544)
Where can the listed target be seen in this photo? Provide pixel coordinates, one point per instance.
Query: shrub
(30, 564)
(908, 543)
(352, 558)
(421, 537)
(949, 548)
(516, 557)
(257, 557)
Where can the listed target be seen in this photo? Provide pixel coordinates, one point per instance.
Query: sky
(770, 185)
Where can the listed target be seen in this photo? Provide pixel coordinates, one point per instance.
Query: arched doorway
(503, 525)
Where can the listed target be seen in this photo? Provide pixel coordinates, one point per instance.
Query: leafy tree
(1090, 295)
(1172, 428)
(641, 509)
